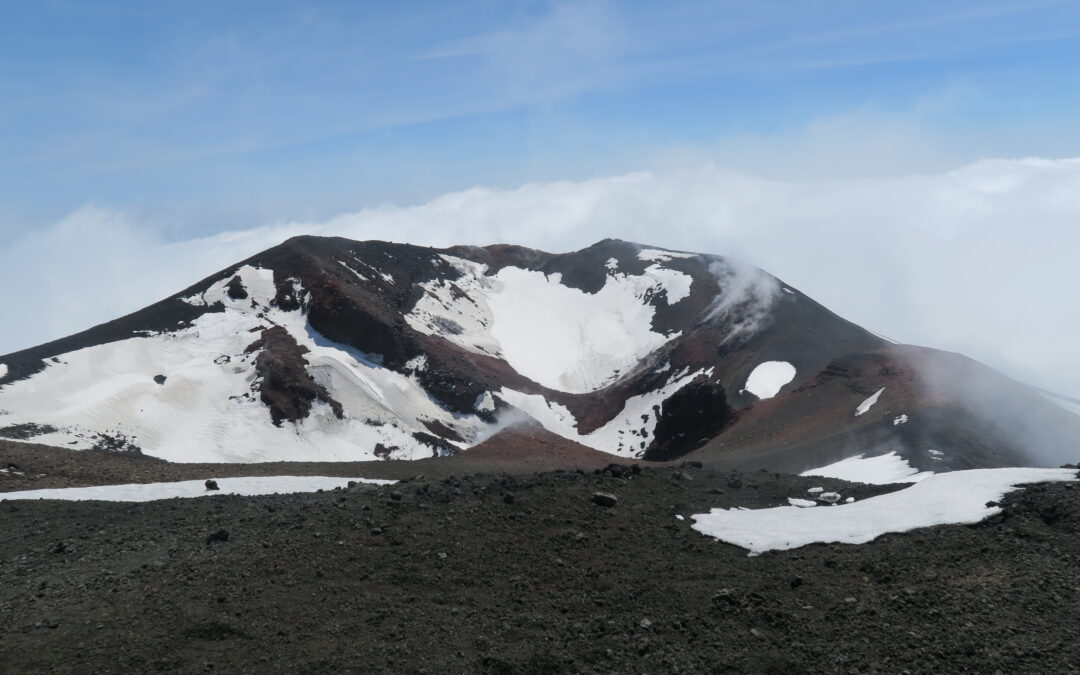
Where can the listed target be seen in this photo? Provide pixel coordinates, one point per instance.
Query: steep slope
(331, 349)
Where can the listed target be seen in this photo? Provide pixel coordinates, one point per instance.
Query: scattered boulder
(211, 484)
(508, 498)
(160, 379)
(220, 535)
(616, 470)
(604, 499)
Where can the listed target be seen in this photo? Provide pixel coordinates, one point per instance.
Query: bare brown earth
(515, 451)
(501, 573)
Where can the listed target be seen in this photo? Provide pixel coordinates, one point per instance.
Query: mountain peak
(328, 348)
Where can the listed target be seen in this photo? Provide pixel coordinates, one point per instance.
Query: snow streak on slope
(959, 497)
(561, 337)
(148, 492)
(657, 255)
(1070, 404)
(868, 403)
(208, 408)
(3, 370)
(880, 470)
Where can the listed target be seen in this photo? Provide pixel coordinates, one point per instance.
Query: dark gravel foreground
(525, 574)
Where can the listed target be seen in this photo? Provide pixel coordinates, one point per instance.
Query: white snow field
(959, 497)
(148, 492)
(868, 403)
(879, 470)
(206, 412)
(769, 377)
(563, 338)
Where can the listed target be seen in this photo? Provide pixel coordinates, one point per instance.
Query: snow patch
(656, 255)
(147, 492)
(959, 497)
(258, 282)
(801, 503)
(358, 275)
(768, 378)
(900, 419)
(868, 403)
(458, 310)
(485, 402)
(612, 264)
(3, 370)
(880, 470)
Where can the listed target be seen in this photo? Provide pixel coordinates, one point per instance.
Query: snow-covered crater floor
(148, 492)
(558, 336)
(959, 497)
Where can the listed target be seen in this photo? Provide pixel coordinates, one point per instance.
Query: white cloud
(979, 259)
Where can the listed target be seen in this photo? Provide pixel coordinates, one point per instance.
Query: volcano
(327, 349)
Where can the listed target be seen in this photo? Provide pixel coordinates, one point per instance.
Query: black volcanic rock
(688, 419)
(285, 385)
(236, 289)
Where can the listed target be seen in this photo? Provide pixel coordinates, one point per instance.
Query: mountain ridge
(381, 350)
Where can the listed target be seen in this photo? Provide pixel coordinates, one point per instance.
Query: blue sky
(870, 153)
(207, 116)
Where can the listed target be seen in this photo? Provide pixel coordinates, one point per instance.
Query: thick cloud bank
(980, 259)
